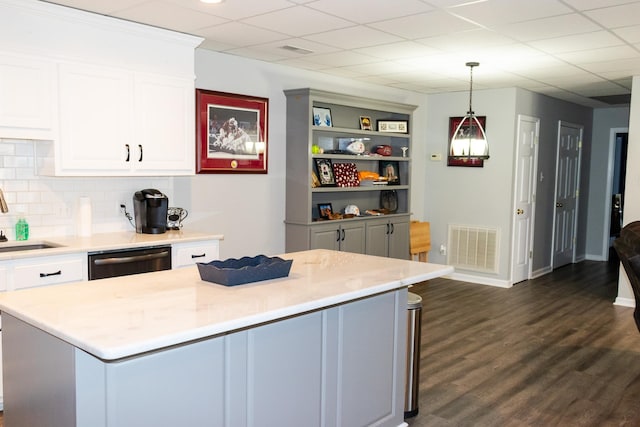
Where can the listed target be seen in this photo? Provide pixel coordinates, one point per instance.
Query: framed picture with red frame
(231, 133)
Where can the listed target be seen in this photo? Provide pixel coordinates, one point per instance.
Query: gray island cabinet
(325, 346)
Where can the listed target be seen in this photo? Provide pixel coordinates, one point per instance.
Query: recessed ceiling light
(211, 1)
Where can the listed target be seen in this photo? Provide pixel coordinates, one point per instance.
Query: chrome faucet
(3, 203)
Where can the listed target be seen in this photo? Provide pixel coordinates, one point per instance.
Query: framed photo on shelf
(456, 161)
(325, 210)
(231, 133)
(390, 169)
(365, 123)
(394, 126)
(324, 169)
(322, 117)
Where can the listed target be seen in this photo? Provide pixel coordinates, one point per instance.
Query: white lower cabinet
(51, 270)
(185, 254)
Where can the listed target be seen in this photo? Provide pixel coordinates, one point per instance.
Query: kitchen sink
(26, 247)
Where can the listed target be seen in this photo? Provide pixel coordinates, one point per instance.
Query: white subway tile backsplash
(50, 203)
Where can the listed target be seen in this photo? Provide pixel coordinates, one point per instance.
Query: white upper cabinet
(27, 100)
(106, 97)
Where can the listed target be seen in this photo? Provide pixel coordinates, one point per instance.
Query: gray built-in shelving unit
(386, 235)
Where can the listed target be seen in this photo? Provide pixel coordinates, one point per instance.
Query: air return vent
(473, 248)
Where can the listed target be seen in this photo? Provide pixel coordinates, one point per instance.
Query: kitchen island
(324, 346)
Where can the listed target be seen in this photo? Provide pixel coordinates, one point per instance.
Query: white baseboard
(625, 302)
(479, 280)
(541, 272)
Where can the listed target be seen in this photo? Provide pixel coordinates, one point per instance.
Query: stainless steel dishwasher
(123, 262)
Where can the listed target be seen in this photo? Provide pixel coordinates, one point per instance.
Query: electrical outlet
(443, 250)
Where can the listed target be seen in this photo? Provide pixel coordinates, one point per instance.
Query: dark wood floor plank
(553, 351)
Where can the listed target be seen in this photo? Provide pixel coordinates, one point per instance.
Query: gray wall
(604, 119)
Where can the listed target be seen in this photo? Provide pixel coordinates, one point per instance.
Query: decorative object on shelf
(390, 171)
(389, 200)
(346, 174)
(384, 150)
(395, 126)
(325, 172)
(404, 151)
(468, 139)
(325, 210)
(365, 123)
(322, 117)
(352, 210)
(232, 272)
(315, 182)
(356, 147)
(231, 133)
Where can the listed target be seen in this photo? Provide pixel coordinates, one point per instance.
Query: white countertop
(125, 316)
(103, 242)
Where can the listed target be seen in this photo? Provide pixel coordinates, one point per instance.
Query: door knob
(519, 211)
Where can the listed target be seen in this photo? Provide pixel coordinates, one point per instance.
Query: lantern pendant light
(469, 140)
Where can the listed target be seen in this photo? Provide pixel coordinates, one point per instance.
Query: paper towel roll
(84, 217)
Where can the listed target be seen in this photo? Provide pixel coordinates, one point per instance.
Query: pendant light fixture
(469, 140)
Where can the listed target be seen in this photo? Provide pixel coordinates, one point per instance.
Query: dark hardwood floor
(553, 351)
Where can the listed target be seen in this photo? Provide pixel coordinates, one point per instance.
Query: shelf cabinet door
(377, 237)
(26, 97)
(325, 237)
(164, 108)
(339, 237)
(399, 239)
(353, 237)
(96, 110)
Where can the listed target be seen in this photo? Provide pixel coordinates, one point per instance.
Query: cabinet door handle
(128, 152)
(343, 235)
(140, 147)
(199, 256)
(387, 229)
(57, 273)
(338, 235)
(392, 229)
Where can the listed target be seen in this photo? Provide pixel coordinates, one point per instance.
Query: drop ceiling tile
(546, 28)
(168, 15)
(257, 54)
(631, 64)
(597, 89)
(616, 16)
(239, 34)
(100, 6)
(340, 59)
(630, 34)
(577, 42)
(422, 25)
(310, 46)
(594, 4)
(342, 72)
(354, 37)
(216, 46)
(405, 49)
(378, 68)
(298, 21)
(364, 11)
(509, 11)
(602, 54)
(302, 63)
(466, 40)
(232, 9)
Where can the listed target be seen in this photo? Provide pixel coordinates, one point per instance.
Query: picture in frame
(365, 123)
(394, 126)
(231, 133)
(390, 169)
(324, 168)
(322, 117)
(456, 161)
(325, 210)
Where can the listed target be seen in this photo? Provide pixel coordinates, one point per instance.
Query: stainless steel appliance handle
(128, 259)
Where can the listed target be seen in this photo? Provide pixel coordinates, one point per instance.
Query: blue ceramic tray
(234, 271)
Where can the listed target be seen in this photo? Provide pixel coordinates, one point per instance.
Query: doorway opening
(617, 184)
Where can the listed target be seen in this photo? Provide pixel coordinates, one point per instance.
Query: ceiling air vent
(297, 49)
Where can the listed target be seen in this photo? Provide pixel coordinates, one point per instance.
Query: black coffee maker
(150, 209)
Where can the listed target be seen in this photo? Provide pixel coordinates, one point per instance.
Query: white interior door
(524, 197)
(567, 185)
